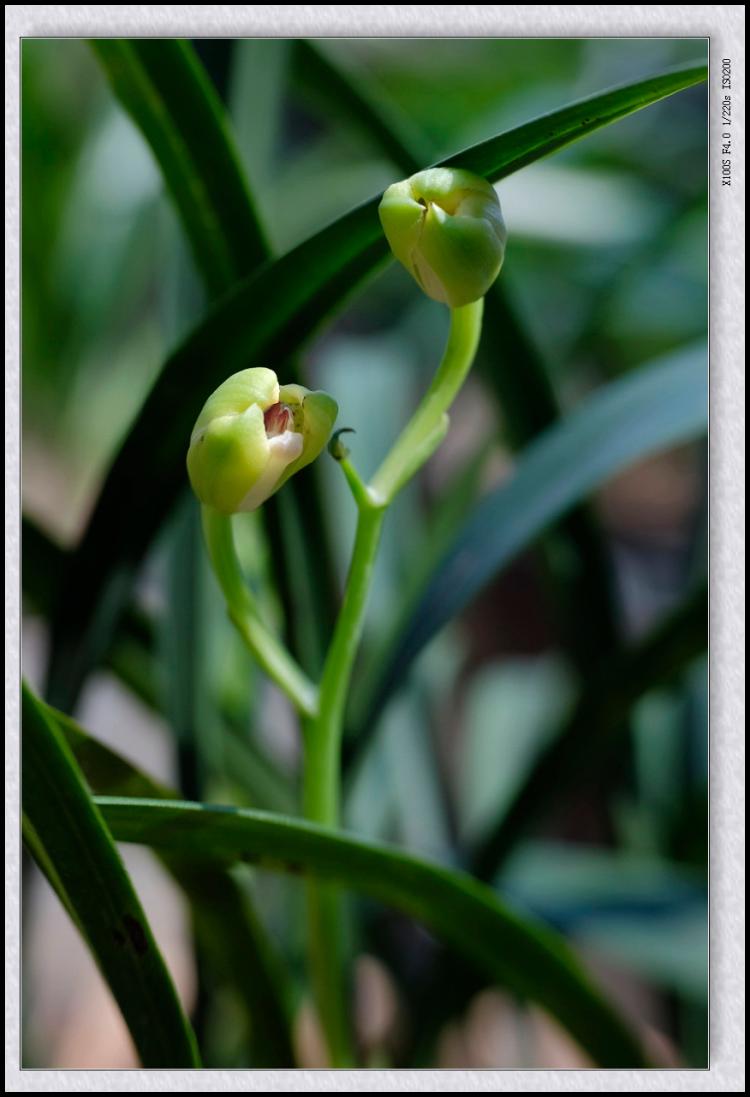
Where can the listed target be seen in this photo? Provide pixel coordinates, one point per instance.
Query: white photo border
(724, 26)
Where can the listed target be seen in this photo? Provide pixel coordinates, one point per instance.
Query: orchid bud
(252, 435)
(446, 227)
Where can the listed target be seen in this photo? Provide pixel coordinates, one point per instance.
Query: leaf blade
(287, 300)
(131, 659)
(162, 85)
(532, 141)
(228, 927)
(530, 959)
(66, 832)
(635, 415)
(590, 730)
(513, 371)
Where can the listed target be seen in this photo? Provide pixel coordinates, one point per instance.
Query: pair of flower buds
(445, 226)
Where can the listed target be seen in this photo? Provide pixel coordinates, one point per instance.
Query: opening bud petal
(314, 416)
(446, 227)
(252, 435)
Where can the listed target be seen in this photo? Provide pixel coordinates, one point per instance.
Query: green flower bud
(446, 227)
(252, 435)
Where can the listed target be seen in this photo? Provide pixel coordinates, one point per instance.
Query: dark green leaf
(658, 406)
(343, 93)
(573, 550)
(533, 140)
(589, 732)
(162, 84)
(236, 944)
(527, 958)
(131, 659)
(228, 928)
(185, 645)
(512, 369)
(266, 318)
(166, 91)
(105, 771)
(42, 563)
(66, 834)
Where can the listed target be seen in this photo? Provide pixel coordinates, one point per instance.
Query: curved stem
(322, 782)
(323, 709)
(322, 762)
(270, 653)
(276, 661)
(426, 428)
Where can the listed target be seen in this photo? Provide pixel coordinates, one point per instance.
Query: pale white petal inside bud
(282, 450)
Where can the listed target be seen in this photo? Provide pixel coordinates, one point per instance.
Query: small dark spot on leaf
(274, 864)
(136, 934)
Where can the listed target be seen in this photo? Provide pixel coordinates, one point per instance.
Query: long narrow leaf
(513, 371)
(237, 946)
(131, 658)
(228, 928)
(163, 86)
(348, 98)
(527, 958)
(656, 407)
(550, 132)
(106, 772)
(573, 550)
(266, 318)
(64, 830)
(591, 730)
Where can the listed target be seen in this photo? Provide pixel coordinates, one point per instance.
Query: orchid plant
(232, 395)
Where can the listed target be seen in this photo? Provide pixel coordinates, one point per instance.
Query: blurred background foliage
(606, 269)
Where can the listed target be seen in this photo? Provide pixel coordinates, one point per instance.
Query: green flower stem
(322, 784)
(359, 489)
(323, 709)
(322, 763)
(269, 652)
(426, 429)
(328, 966)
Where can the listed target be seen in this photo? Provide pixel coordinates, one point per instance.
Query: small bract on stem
(446, 227)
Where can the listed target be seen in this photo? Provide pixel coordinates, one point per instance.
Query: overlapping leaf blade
(657, 406)
(163, 86)
(226, 924)
(66, 834)
(267, 317)
(132, 659)
(589, 732)
(527, 958)
(514, 373)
